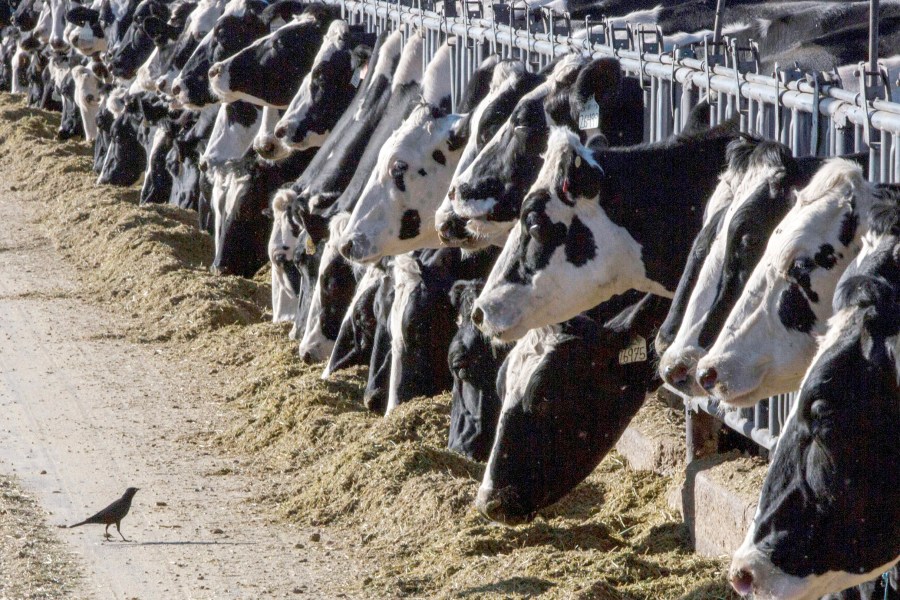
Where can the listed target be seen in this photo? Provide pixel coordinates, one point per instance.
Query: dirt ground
(123, 361)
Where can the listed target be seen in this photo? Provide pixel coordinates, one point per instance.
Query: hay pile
(325, 460)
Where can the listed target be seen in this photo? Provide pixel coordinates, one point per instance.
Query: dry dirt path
(86, 413)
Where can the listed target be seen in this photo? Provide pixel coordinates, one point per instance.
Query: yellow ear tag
(577, 161)
(310, 246)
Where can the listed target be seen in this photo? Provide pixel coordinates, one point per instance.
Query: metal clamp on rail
(649, 41)
(618, 37)
(714, 54)
(744, 59)
(782, 78)
(873, 85)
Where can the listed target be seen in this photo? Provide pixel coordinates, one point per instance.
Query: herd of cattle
(529, 241)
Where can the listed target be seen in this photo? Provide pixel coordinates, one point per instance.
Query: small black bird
(112, 514)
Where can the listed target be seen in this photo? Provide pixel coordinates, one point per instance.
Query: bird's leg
(120, 532)
(106, 532)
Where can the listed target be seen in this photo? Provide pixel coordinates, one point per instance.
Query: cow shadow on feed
(521, 587)
(665, 538)
(718, 590)
(579, 504)
(601, 590)
(587, 536)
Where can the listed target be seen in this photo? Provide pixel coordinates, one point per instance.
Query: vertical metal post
(873, 35)
(717, 28)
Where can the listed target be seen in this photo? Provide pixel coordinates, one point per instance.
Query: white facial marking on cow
(229, 140)
(407, 276)
(265, 143)
(315, 346)
(282, 244)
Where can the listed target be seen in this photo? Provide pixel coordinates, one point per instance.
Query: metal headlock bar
(809, 112)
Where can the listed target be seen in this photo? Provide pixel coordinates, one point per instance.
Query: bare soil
(160, 375)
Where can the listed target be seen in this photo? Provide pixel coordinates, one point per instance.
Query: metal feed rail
(802, 110)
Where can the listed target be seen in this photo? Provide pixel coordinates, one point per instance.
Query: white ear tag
(635, 352)
(356, 78)
(310, 246)
(589, 117)
(577, 161)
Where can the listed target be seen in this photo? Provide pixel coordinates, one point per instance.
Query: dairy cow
(569, 390)
(829, 511)
(474, 362)
(488, 194)
(218, 33)
(763, 177)
(328, 89)
(590, 225)
(769, 337)
(269, 71)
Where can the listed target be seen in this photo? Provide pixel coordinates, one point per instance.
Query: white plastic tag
(589, 117)
(357, 77)
(635, 352)
(310, 246)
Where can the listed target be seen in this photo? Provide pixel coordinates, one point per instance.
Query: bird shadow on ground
(131, 544)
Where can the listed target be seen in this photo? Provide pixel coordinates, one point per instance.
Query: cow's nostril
(307, 358)
(176, 89)
(707, 378)
(215, 70)
(161, 85)
(280, 131)
(451, 193)
(675, 374)
(742, 581)
(477, 316)
(347, 248)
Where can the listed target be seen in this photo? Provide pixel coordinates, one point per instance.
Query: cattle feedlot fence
(812, 113)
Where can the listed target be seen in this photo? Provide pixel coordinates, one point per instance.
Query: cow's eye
(538, 226)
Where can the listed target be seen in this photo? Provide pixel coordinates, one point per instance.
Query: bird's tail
(78, 524)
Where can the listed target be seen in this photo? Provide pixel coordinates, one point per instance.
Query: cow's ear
(600, 80)
(256, 6)
(597, 142)
(155, 28)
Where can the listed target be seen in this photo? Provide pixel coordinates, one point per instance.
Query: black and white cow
(356, 337)
(598, 222)
(405, 92)
(769, 337)
(423, 321)
(212, 36)
(474, 362)
(331, 299)
(270, 70)
(328, 89)
(395, 210)
(488, 194)
(762, 177)
(509, 83)
(829, 511)
(126, 158)
(189, 188)
(84, 30)
(328, 174)
(569, 390)
(284, 240)
(165, 35)
(241, 227)
(135, 47)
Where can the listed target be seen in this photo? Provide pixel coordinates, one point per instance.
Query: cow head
(84, 31)
(225, 36)
(395, 211)
(356, 337)
(283, 242)
(762, 177)
(768, 339)
(590, 226)
(126, 158)
(327, 90)
(269, 71)
(829, 511)
(335, 287)
(569, 391)
(474, 362)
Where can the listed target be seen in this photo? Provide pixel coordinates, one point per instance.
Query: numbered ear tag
(589, 117)
(635, 352)
(310, 246)
(357, 77)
